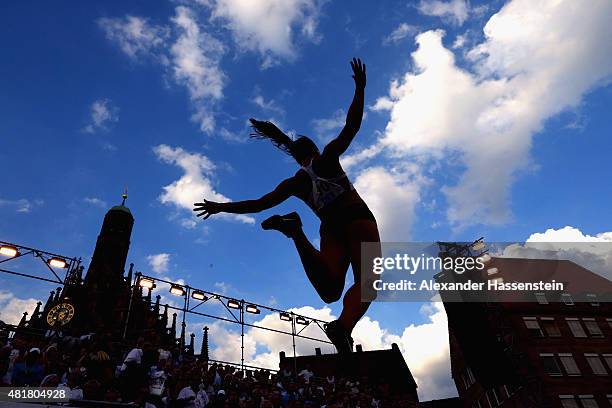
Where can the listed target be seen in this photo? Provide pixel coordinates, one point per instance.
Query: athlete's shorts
(337, 222)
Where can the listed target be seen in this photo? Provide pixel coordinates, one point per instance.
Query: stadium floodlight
(478, 245)
(301, 320)
(198, 295)
(285, 316)
(56, 262)
(146, 283)
(252, 309)
(9, 250)
(177, 290)
(233, 304)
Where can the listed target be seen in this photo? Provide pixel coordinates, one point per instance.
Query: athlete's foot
(339, 337)
(288, 224)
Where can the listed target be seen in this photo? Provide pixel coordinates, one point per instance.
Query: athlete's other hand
(359, 73)
(207, 208)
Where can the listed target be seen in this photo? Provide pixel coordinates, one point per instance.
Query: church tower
(107, 266)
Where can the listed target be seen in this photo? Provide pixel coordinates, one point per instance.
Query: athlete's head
(302, 149)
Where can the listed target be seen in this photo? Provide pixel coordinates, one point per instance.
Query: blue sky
(482, 119)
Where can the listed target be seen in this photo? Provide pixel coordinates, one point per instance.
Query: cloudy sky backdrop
(482, 119)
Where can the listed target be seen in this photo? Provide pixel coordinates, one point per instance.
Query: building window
(541, 298)
(609, 397)
(596, 364)
(609, 322)
(470, 375)
(551, 367)
(476, 405)
(466, 385)
(550, 327)
(608, 359)
(569, 364)
(592, 327)
(510, 390)
(568, 401)
(592, 299)
(588, 401)
(567, 299)
(493, 397)
(533, 327)
(575, 327)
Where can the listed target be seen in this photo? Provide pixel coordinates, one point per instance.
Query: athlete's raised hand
(207, 208)
(359, 73)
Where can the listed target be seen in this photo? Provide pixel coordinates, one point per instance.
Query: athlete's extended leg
(326, 269)
(353, 308)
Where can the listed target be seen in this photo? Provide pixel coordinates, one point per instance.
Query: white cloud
(454, 11)
(424, 346)
(593, 252)
(195, 184)
(193, 56)
(102, 114)
(392, 196)
(95, 201)
(268, 26)
(12, 307)
(459, 41)
(159, 262)
(535, 62)
(568, 234)
(223, 287)
(399, 33)
(196, 57)
(21, 205)
(327, 128)
(136, 36)
(267, 105)
(188, 223)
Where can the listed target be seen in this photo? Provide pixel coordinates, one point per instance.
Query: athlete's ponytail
(268, 130)
(299, 149)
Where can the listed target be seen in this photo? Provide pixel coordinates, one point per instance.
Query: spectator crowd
(94, 368)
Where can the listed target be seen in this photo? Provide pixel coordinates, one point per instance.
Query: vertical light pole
(185, 309)
(293, 332)
(129, 311)
(242, 335)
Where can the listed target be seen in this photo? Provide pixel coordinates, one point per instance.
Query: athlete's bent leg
(326, 269)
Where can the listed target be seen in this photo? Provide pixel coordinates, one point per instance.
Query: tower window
(569, 364)
(541, 298)
(588, 401)
(592, 327)
(533, 327)
(551, 367)
(568, 401)
(575, 327)
(592, 299)
(550, 327)
(567, 299)
(608, 359)
(595, 364)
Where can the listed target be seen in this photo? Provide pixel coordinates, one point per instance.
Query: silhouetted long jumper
(346, 220)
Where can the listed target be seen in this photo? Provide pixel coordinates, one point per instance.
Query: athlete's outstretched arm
(355, 113)
(282, 192)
